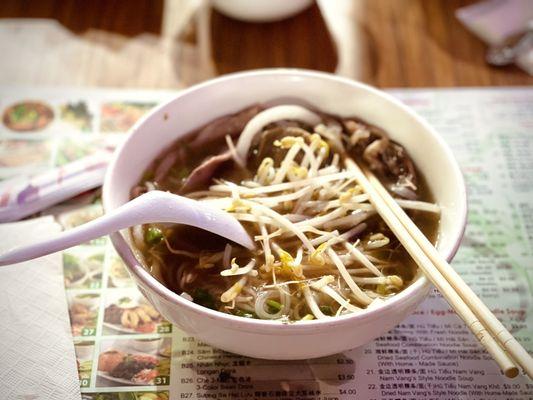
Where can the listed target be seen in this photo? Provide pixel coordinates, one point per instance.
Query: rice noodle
(227, 256)
(180, 252)
(264, 296)
(254, 126)
(233, 151)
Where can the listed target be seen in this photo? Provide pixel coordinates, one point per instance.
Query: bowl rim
(254, 325)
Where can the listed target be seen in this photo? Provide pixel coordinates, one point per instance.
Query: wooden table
(174, 43)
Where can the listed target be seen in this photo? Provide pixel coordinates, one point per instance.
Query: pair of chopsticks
(488, 330)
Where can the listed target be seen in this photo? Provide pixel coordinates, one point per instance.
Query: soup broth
(283, 172)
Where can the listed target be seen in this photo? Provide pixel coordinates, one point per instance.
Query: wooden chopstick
(489, 320)
(445, 288)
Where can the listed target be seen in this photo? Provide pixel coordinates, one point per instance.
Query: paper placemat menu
(430, 355)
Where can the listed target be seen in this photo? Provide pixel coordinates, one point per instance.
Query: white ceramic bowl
(260, 10)
(202, 103)
(147, 345)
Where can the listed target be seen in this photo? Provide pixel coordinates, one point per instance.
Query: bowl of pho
(275, 149)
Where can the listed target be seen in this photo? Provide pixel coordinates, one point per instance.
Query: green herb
(153, 235)
(326, 310)
(19, 113)
(245, 314)
(124, 300)
(273, 306)
(203, 298)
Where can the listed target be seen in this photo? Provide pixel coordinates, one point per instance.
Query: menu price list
(436, 360)
(207, 372)
(379, 371)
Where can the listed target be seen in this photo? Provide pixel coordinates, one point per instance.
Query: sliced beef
(202, 175)
(229, 125)
(384, 156)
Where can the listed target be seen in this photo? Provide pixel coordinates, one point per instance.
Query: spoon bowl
(154, 206)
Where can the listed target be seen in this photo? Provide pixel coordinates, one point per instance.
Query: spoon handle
(104, 225)
(150, 207)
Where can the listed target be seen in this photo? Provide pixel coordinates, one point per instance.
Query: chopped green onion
(203, 298)
(326, 310)
(153, 235)
(273, 306)
(308, 317)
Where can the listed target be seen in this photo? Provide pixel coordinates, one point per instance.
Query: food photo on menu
(83, 267)
(150, 395)
(118, 275)
(83, 312)
(84, 360)
(226, 199)
(134, 362)
(77, 114)
(28, 116)
(128, 312)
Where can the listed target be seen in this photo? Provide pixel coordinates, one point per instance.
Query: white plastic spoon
(151, 207)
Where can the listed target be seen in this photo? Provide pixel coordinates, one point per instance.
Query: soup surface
(286, 174)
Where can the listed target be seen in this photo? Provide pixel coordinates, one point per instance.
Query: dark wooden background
(402, 43)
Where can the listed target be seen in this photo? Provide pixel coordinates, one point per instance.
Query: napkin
(506, 26)
(37, 359)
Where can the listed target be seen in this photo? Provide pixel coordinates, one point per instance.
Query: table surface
(174, 43)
